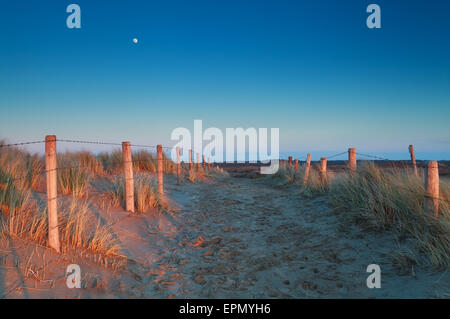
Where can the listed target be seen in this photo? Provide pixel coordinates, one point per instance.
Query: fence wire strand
(21, 144)
(166, 159)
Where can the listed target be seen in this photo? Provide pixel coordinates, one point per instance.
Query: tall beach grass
(393, 199)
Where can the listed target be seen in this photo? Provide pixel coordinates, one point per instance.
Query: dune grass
(24, 169)
(143, 161)
(77, 229)
(315, 185)
(287, 175)
(77, 226)
(90, 163)
(73, 177)
(192, 176)
(23, 212)
(145, 192)
(217, 172)
(393, 199)
(377, 199)
(112, 162)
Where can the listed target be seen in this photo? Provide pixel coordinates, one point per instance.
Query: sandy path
(242, 238)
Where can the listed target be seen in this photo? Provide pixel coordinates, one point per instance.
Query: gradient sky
(311, 68)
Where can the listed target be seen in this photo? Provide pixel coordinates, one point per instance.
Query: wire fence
(20, 144)
(118, 164)
(108, 165)
(127, 166)
(81, 142)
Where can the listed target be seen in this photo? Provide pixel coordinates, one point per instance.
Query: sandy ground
(227, 238)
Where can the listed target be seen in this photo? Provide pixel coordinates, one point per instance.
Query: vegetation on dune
(192, 176)
(112, 162)
(143, 161)
(73, 178)
(394, 199)
(23, 169)
(375, 198)
(216, 171)
(145, 192)
(88, 161)
(77, 229)
(23, 211)
(195, 175)
(284, 176)
(382, 199)
(315, 185)
(23, 204)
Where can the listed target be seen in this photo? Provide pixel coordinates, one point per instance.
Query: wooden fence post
(160, 170)
(323, 169)
(296, 165)
(290, 160)
(52, 201)
(191, 161)
(203, 162)
(198, 162)
(129, 180)
(413, 159)
(178, 166)
(307, 166)
(432, 187)
(352, 158)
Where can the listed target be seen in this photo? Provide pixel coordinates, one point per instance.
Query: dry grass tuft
(23, 213)
(144, 161)
(287, 175)
(73, 177)
(315, 185)
(217, 172)
(89, 162)
(284, 176)
(145, 192)
(378, 199)
(193, 176)
(112, 162)
(77, 227)
(21, 168)
(393, 199)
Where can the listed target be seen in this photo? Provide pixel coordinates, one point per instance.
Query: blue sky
(311, 68)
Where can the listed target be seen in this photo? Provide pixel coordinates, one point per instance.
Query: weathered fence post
(413, 159)
(307, 166)
(160, 169)
(352, 158)
(198, 162)
(323, 169)
(178, 166)
(203, 162)
(296, 165)
(52, 202)
(191, 161)
(432, 187)
(290, 160)
(128, 172)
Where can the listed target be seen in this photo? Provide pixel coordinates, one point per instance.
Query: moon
(135, 40)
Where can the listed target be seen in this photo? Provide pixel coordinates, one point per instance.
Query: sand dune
(225, 238)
